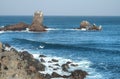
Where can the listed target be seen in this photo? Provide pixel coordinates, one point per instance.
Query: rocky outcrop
(16, 27)
(85, 25)
(19, 65)
(37, 24)
(22, 65)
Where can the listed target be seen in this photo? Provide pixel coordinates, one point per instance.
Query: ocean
(97, 52)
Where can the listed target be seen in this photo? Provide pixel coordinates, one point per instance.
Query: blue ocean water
(101, 48)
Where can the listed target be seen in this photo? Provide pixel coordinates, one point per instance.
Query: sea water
(97, 52)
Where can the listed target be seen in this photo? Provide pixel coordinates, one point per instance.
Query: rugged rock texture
(22, 65)
(85, 25)
(37, 24)
(1, 47)
(16, 27)
(78, 74)
(19, 65)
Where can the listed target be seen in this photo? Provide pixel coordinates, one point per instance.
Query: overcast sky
(61, 7)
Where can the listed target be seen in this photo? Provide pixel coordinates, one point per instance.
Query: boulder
(54, 60)
(78, 74)
(37, 24)
(65, 67)
(16, 27)
(54, 75)
(42, 56)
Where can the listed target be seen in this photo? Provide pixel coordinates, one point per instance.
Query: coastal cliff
(22, 65)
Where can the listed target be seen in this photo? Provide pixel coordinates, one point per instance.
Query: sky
(61, 7)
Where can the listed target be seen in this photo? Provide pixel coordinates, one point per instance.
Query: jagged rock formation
(85, 25)
(16, 27)
(22, 65)
(19, 65)
(37, 24)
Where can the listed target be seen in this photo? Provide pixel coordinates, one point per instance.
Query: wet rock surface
(16, 27)
(22, 65)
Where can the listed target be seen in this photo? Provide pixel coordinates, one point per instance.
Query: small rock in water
(74, 65)
(54, 75)
(54, 60)
(56, 64)
(65, 67)
(42, 56)
(42, 60)
(78, 74)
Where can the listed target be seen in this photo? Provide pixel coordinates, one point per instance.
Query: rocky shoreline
(22, 65)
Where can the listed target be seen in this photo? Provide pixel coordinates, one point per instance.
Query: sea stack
(85, 25)
(37, 24)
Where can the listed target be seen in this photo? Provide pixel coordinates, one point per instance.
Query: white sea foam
(82, 65)
(1, 31)
(41, 47)
(51, 29)
(2, 26)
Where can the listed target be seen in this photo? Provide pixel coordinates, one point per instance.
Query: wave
(78, 47)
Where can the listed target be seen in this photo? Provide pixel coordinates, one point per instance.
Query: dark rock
(54, 75)
(49, 61)
(54, 60)
(42, 56)
(37, 24)
(42, 60)
(50, 67)
(55, 68)
(68, 62)
(16, 27)
(65, 67)
(56, 64)
(31, 61)
(7, 45)
(78, 74)
(47, 76)
(74, 65)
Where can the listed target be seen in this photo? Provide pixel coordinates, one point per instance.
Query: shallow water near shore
(97, 52)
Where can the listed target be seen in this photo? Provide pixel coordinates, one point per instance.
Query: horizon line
(69, 15)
